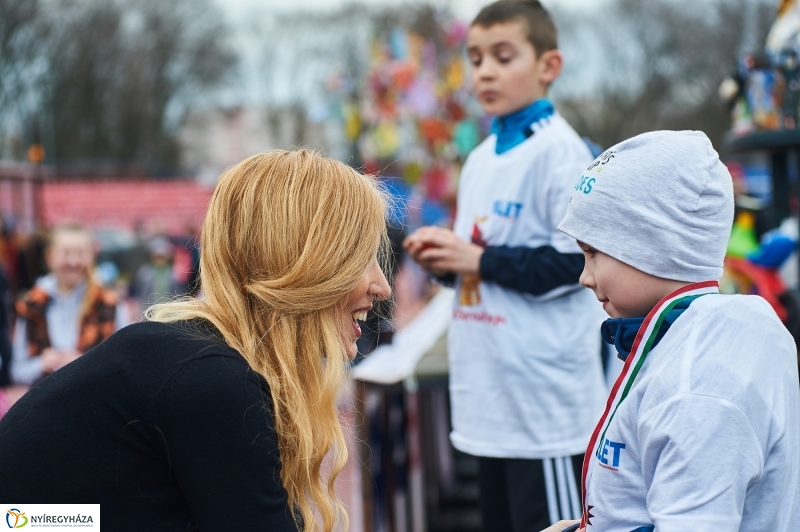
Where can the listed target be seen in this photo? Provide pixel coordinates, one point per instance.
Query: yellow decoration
(412, 173)
(454, 75)
(415, 44)
(386, 139)
(352, 121)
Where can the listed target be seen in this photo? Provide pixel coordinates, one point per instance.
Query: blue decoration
(774, 250)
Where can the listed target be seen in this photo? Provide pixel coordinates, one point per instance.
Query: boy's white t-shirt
(525, 371)
(708, 438)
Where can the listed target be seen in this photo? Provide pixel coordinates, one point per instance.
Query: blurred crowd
(65, 289)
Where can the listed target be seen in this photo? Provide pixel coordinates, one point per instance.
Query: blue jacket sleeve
(531, 270)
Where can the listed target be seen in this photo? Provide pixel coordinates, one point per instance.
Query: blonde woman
(217, 413)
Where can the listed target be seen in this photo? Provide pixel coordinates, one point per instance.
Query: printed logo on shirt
(609, 454)
(507, 209)
(481, 317)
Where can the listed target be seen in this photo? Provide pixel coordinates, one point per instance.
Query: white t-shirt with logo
(525, 371)
(708, 438)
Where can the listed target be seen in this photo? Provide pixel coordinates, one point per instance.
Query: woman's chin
(350, 349)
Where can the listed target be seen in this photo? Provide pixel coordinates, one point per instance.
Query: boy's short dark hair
(542, 32)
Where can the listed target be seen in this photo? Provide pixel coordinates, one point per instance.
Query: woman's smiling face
(372, 287)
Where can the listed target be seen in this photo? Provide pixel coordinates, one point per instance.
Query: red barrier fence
(173, 205)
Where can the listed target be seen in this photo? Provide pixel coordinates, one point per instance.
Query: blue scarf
(513, 129)
(621, 332)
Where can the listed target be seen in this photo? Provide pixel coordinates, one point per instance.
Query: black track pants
(521, 495)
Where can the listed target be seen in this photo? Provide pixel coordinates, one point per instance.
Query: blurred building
(215, 139)
(20, 193)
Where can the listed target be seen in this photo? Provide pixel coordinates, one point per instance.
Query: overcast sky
(463, 8)
(248, 14)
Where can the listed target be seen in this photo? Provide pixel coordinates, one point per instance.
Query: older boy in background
(526, 382)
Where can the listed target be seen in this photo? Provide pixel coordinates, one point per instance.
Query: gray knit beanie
(661, 202)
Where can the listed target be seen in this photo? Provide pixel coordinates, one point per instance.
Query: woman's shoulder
(171, 344)
(178, 331)
(162, 357)
(200, 369)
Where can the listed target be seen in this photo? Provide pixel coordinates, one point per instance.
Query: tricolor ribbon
(633, 364)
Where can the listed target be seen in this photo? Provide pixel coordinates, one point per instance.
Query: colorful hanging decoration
(352, 121)
(413, 108)
(764, 93)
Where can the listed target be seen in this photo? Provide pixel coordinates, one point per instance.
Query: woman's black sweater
(165, 426)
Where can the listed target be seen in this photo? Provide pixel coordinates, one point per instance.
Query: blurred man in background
(155, 281)
(66, 313)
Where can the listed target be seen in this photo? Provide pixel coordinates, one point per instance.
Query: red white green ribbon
(633, 365)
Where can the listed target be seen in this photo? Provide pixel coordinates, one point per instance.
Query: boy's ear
(551, 62)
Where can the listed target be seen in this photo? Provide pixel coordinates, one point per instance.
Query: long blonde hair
(287, 236)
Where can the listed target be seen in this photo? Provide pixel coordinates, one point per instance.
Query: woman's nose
(379, 287)
(382, 288)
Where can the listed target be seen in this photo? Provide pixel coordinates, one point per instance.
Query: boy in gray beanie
(702, 428)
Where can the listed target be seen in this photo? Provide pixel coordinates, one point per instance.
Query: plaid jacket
(96, 325)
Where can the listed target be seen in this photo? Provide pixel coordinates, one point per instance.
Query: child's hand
(50, 360)
(418, 242)
(55, 359)
(440, 251)
(69, 355)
